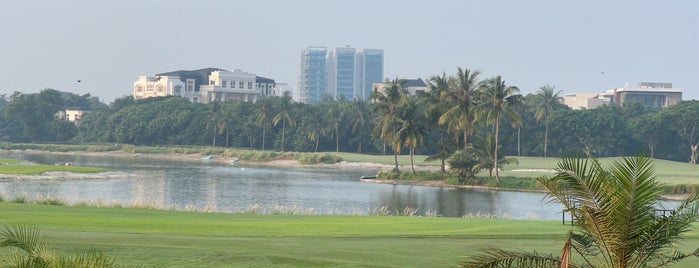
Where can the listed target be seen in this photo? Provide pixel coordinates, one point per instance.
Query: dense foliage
(458, 111)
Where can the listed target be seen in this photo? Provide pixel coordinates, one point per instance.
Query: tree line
(459, 114)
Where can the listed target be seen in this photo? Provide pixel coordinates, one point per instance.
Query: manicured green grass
(38, 169)
(9, 161)
(192, 239)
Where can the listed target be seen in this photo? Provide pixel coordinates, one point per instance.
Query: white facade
(226, 86)
(652, 94)
(159, 86)
(204, 85)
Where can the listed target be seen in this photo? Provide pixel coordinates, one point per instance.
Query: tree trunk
(495, 161)
(317, 141)
(693, 157)
(263, 137)
(283, 132)
(546, 138)
(412, 163)
(465, 143)
(227, 135)
(519, 135)
(213, 139)
(395, 160)
(337, 141)
(359, 149)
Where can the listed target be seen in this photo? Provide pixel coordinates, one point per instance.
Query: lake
(223, 187)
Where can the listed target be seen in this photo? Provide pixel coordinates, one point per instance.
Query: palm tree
(284, 115)
(264, 111)
(316, 122)
(334, 118)
(386, 125)
(545, 102)
(412, 126)
(438, 86)
(459, 101)
(499, 99)
(359, 120)
(616, 220)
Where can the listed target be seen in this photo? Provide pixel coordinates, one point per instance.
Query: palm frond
(495, 258)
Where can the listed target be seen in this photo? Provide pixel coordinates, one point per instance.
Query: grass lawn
(192, 239)
(667, 172)
(15, 166)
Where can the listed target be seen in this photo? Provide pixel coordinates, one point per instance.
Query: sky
(577, 46)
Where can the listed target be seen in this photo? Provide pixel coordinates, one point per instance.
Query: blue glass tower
(313, 75)
(370, 70)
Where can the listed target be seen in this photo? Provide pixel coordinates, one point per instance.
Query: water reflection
(224, 187)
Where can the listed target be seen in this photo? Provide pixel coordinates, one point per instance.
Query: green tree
(359, 120)
(458, 99)
(439, 85)
(616, 223)
(284, 115)
(498, 100)
(412, 127)
(685, 116)
(545, 101)
(386, 115)
(263, 108)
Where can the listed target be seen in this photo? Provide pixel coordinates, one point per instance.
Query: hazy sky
(579, 46)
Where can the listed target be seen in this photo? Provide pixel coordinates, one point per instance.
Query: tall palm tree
(412, 126)
(459, 101)
(263, 110)
(545, 102)
(284, 115)
(359, 119)
(334, 120)
(316, 122)
(616, 220)
(438, 86)
(498, 100)
(385, 110)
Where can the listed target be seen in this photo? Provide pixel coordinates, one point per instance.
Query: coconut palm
(284, 115)
(359, 120)
(498, 100)
(458, 99)
(386, 115)
(412, 126)
(438, 86)
(616, 224)
(545, 101)
(263, 108)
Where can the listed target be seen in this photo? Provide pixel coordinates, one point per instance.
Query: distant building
(369, 71)
(312, 75)
(652, 94)
(204, 85)
(341, 72)
(72, 114)
(412, 86)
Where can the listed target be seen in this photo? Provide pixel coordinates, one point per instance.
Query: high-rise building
(341, 73)
(370, 70)
(313, 75)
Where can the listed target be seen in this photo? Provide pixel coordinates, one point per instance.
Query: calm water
(225, 187)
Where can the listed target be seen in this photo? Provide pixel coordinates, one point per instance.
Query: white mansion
(206, 85)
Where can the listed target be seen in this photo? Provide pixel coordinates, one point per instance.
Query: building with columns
(204, 85)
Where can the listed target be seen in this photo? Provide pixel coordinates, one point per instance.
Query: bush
(418, 176)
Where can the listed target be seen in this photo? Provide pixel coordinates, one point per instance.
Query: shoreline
(291, 163)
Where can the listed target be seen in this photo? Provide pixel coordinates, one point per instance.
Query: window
(249, 85)
(232, 84)
(139, 88)
(224, 83)
(178, 89)
(212, 82)
(241, 84)
(160, 88)
(190, 85)
(149, 87)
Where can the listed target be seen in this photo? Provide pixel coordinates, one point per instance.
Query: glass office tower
(313, 75)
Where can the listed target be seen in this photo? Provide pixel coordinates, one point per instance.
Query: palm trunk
(519, 136)
(317, 142)
(263, 137)
(359, 149)
(283, 132)
(465, 135)
(495, 161)
(227, 135)
(395, 160)
(213, 139)
(546, 138)
(337, 141)
(412, 163)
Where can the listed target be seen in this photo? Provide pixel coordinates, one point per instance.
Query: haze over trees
(460, 111)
